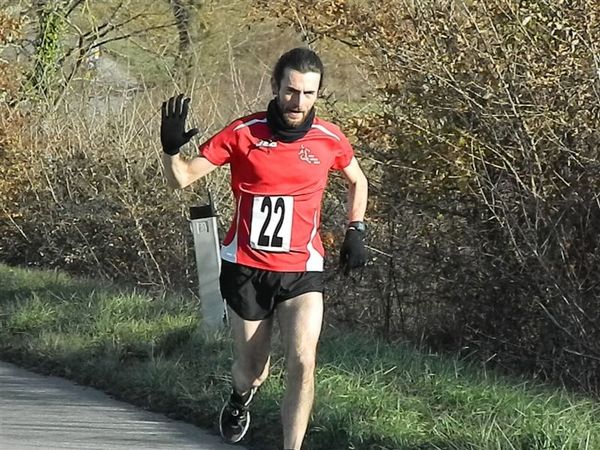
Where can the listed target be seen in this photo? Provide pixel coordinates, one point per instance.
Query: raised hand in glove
(353, 253)
(172, 126)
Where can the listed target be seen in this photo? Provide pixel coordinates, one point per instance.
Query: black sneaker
(235, 417)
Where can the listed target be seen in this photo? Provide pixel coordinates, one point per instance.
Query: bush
(12, 119)
(482, 151)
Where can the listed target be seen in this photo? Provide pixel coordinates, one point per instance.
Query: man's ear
(274, 87)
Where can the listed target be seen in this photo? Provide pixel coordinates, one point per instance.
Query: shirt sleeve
(343, 154)
(218, 149)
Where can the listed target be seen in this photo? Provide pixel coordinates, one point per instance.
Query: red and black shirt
(278, 188)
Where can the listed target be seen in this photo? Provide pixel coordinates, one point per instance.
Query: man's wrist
(357, 225)
(171, 151)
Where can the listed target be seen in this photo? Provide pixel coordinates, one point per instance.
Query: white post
(203, 222)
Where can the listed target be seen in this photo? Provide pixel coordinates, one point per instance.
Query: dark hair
(301, 59)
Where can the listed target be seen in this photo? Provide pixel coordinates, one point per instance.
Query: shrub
(482, 151)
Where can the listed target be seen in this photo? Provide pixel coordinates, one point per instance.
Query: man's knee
(301, 367)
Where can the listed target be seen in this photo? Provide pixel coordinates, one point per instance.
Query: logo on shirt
(269, 144)
(307, 156)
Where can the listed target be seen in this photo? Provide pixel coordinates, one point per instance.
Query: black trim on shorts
(255, 293)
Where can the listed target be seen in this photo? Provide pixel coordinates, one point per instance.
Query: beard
(288, 127)
(291, 116)
(294, 119)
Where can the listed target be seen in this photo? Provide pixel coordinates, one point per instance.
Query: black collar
(281, 130)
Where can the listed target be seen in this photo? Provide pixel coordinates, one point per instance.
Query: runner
(272, 256)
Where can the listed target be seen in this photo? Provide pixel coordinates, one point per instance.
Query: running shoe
(234, 420)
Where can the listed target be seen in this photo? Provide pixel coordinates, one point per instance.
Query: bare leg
(300, 321)
(251, 350)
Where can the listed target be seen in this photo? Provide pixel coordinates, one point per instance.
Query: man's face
(297, 95)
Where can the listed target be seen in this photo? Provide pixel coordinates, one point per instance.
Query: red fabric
(292, 175)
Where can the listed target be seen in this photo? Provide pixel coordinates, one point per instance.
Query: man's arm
(178, 171)
(358, 189)
(181, 173)
(353, 253)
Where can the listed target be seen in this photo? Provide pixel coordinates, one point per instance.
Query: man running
(272, 256)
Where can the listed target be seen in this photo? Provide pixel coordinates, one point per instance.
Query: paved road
(39, 412)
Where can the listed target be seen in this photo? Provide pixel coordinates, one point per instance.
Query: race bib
(271, 226)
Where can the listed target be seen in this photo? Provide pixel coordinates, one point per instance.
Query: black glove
(172, 125)
(353, 253)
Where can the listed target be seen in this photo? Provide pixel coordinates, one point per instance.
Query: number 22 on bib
(271, 226)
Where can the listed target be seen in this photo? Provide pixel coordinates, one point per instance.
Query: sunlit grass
(147, 349)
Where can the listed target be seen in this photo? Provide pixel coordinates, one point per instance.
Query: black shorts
(255, 293)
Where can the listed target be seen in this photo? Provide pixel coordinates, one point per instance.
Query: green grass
(146, 349)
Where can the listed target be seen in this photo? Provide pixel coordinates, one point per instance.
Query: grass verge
(146, 349)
